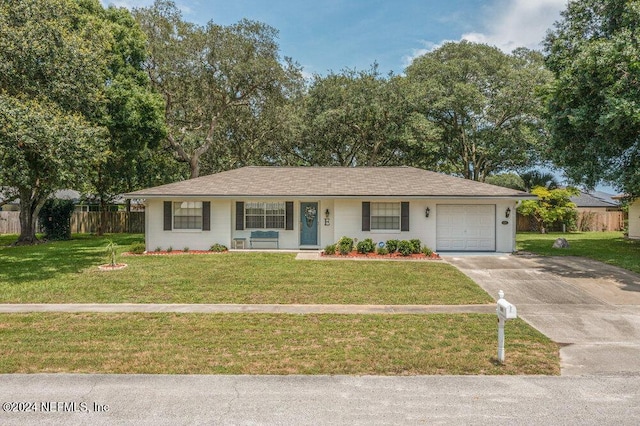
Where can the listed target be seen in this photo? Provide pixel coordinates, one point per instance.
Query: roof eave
(333, 196)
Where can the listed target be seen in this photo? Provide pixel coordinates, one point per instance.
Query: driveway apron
(592, 310)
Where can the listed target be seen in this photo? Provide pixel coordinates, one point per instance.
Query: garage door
(466, 227)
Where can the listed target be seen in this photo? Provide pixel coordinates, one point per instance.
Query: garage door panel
(466, 227)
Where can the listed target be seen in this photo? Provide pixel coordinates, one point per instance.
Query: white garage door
(466, 227)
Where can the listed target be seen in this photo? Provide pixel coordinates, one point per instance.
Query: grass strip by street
(66, 272)
(269, 344)
(607, 247)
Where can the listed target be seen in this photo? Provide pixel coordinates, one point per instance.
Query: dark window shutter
(404, 216)
(366, 216)
(206, 215)
(167, 216)
(289, 215)
(239, 215)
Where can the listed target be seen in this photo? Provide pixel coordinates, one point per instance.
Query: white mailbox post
(505, 311)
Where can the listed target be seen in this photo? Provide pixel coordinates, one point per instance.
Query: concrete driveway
(591, 309)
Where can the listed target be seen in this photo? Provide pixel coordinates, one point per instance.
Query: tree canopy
(352, 118)
(594, 103)
(483, 105)
(75, 104)
(208, 74)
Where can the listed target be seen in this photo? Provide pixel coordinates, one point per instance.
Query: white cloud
(508, 24)
(428, 46)
(517, 23)
(131, 4)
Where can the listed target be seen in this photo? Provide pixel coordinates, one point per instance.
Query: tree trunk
(30, 205)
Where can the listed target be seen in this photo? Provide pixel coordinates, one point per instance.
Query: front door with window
(309, 224)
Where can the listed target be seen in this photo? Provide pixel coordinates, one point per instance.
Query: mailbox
(506, 310)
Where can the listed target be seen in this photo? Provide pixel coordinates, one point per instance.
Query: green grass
(269, 344)
(66, 272)
(607, 247)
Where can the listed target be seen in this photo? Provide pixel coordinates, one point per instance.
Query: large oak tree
(594, 104)
(482, 105)
(208, 75)
(74, 101)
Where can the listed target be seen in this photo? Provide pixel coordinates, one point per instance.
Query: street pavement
(591, 309)
(318, 400)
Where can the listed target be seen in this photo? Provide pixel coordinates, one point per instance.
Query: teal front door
(309, 225)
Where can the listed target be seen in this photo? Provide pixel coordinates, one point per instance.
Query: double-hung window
(385, 216)
(261, 215)
(187, 215)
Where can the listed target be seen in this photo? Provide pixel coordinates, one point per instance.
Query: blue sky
(325, 35)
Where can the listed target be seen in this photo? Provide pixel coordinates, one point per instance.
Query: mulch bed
(115, 267)
(391, 256)
(174, 252)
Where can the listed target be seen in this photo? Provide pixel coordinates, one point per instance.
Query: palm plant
(535, 178)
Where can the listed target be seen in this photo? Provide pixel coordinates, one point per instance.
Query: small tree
(553, 205)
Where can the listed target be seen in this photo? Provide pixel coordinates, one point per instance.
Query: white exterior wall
(634, 220)
(349, 222)
(345, 219)
(178, 239)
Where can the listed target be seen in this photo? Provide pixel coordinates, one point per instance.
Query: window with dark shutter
(206, 216)
(289, 216)
(404, 216)
(168, 219)
(366, 216)
(239, 215)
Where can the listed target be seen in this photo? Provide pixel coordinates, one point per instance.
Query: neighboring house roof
(75, 196)
(329, 182)
(594, 199)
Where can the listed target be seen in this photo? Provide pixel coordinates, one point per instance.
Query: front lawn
(269, 344)
(66, 272)
(607, 247)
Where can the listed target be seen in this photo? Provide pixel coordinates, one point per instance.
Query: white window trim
(385, 230)
(265, 215)
(173, 217)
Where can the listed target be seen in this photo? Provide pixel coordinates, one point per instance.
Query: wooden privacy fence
(85, 222)
(586, 221)
(9, 222)
(113, 222)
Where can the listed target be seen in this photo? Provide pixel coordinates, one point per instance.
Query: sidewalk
(238, 308)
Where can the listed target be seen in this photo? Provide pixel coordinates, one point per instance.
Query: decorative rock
(561, 243)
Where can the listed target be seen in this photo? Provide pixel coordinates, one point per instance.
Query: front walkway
(253, 309)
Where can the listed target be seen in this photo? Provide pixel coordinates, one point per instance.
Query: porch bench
(264, 237)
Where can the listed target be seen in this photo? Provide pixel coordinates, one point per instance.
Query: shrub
(186, 249)
(392, 245)
(158, 249)
(427, 251)
(137, 248)
(416, 244)
(330, 249)
(405, 248)
(218, 248)
(383, 251)
(169, 249)
(345, 245)
(366, 246)
(55, 219)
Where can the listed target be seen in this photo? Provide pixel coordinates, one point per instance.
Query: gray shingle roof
(594, 199)
(328, 182)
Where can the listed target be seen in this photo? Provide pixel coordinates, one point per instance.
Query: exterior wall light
(427, 212)
(326, 213)
(507, 213)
